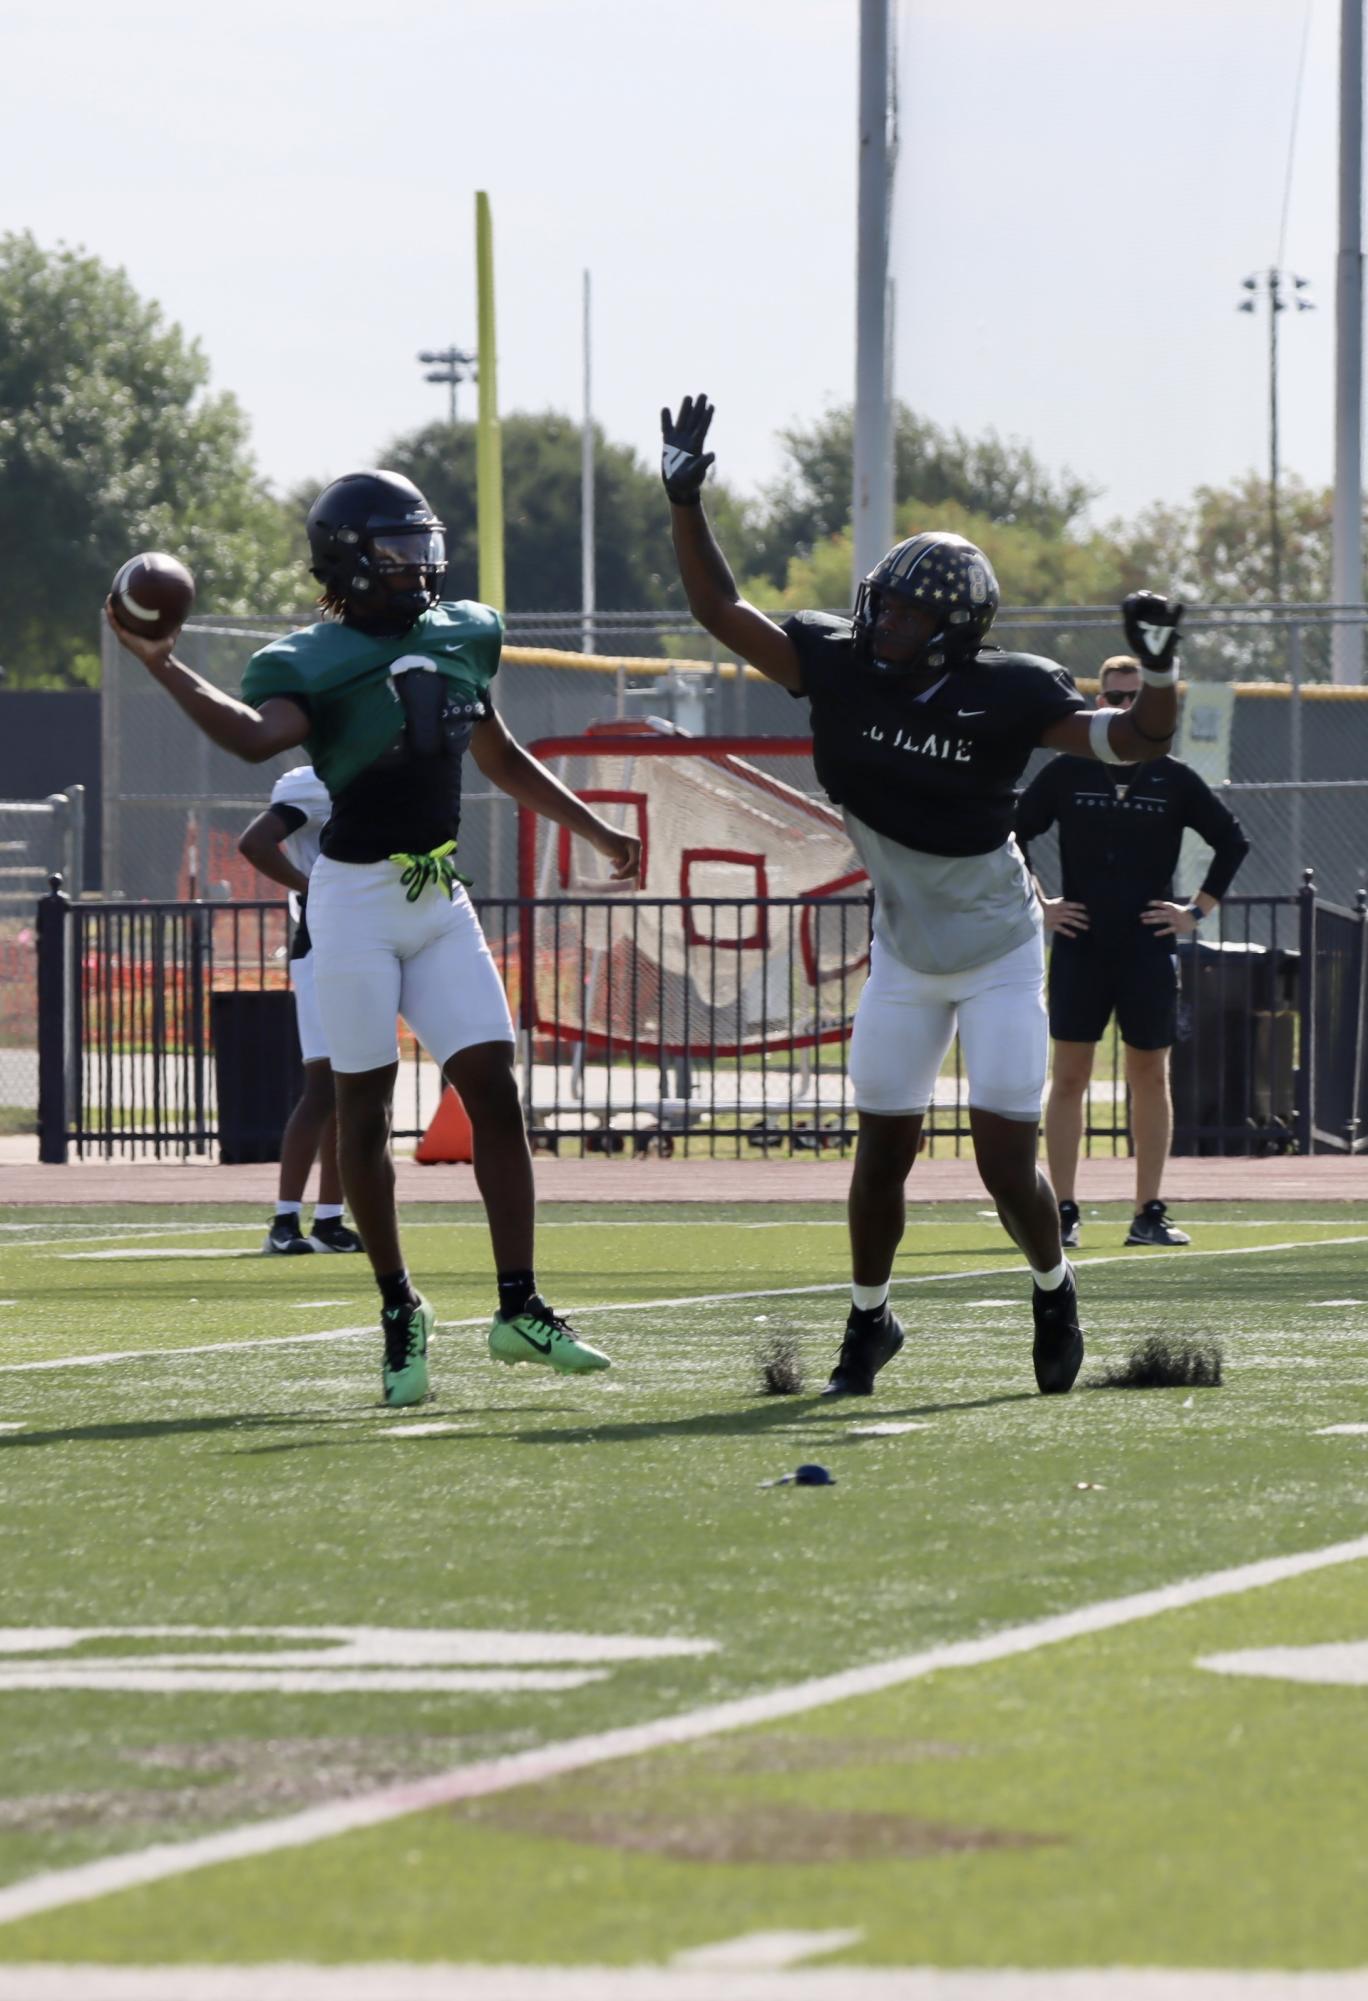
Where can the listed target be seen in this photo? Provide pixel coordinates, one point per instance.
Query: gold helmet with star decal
(950, 577)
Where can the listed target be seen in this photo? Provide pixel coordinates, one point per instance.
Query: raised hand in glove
(1151, 628)
(683, 461)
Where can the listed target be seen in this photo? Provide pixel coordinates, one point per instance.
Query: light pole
(872, 469)
(1283, 289)
(452, 365)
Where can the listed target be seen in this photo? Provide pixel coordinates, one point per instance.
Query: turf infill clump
(781, 1369)
(1163, 1363)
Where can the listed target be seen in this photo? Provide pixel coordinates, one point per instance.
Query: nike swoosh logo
(971, 712)
(542, 1347)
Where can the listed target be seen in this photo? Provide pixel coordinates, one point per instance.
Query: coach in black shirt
(1113, 929)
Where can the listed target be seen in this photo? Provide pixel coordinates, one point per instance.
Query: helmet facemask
(391, 576)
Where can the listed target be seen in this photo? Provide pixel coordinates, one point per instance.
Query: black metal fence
(712, 1026)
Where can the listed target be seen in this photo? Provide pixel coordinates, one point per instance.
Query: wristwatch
(1196, 912)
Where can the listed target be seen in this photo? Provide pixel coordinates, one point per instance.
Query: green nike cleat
(541, 1336)
(405, 1371)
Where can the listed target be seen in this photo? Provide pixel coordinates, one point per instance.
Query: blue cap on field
(813, 1476)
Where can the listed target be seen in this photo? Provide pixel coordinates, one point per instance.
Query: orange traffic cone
(448, 1137)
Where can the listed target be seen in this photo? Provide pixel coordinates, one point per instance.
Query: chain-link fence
(174, 805)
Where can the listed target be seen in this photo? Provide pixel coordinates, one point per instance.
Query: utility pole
(452, 365)
(872, 510)
(1346, 585)
(587, 601)
(1282, 289)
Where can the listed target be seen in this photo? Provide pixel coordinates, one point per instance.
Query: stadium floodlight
(452, 366)
(1275, 285)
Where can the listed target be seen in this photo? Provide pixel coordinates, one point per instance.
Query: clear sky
(1083, 184)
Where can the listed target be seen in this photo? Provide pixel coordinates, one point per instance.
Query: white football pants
(906, 1021)
(377, 956)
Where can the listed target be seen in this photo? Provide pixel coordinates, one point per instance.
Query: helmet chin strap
(386, 614)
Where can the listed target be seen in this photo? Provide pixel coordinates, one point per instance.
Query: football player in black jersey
(920, 731)
(1114, 931)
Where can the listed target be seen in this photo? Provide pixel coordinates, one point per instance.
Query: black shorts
(1136, 979)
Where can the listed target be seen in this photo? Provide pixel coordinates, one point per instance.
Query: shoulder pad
(826, 624)
(994, 656)
(465, 615)
(304, 789)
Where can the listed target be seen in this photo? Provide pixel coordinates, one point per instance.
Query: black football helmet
(365, 530)
(948, 575)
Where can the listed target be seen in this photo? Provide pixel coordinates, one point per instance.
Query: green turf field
(234, 1590)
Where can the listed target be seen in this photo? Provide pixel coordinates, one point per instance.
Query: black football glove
(683, 461)
(1151, 628)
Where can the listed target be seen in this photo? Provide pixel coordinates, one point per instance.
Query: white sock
(869, 1298)
(288, 1208)
(325, 1211)
(1050, 1281)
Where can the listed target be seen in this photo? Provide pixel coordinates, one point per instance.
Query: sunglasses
(1117, 698)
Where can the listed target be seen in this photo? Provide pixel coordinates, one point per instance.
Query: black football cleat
(332, 1234)
(871, 1339)
(1069, 1224)
(285, 1239)
(1151, 1225)
(1058, 1349)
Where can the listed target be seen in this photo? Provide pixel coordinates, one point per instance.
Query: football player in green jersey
(386, 693)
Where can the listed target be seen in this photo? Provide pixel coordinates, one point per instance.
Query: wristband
(1160, 677)
(1195, 912)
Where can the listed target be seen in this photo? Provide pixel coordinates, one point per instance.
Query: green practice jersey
(342, 678)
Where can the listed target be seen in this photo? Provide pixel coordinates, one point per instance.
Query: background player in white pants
(282, 844)
(920, 732)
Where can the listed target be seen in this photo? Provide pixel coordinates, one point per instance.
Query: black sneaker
(1069, 1221)
(332, 1234)
(871, 1339)
(1151, 1225)
(285, 1239)
(1058, 1349)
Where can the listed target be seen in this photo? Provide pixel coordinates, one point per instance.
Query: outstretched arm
(251, 734)
(706, 575)
(523, 777)
(1145, 731)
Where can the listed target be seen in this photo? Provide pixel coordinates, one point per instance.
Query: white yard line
(61, 1888)
(627, 1983)
(126, 1253)
(760, 1952)
(682, 1299)
(123, 1232)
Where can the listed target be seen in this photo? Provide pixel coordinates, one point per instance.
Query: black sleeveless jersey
(936, 771)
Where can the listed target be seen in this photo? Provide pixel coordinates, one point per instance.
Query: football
(152, 594)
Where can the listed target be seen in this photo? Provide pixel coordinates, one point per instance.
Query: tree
(109, 443)
(1032, 567)
(1217, 550)
(635, 566)
(987, 477)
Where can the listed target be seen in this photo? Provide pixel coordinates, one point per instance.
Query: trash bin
(1233, 1065)
(257, 1069)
